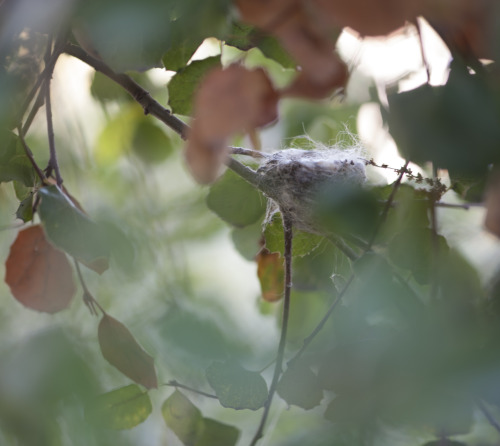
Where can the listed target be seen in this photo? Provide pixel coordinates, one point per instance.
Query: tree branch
(278, 368)
(139, 94)
(174, 383)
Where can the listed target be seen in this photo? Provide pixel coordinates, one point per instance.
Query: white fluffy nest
(293, 178)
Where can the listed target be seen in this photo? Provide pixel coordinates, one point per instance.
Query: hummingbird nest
(294, 178)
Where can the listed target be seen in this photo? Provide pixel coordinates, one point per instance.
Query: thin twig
(139, 94)
(487, 414)
(278, 368)
(53, 164)
(243, 171)
(88, 298)
(335, 303)
(322, 322)
(174, 383)
(29, 154)
(248, 152)
(388, 204)
(465, 206)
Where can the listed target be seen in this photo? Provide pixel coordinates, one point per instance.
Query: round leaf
(236, 201)
(39, 275)
(236, 387)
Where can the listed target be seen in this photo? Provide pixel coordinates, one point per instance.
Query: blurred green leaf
(346, 209)
(454, 126)
(105, 90)
(318, 122)
(14, 164)
(417, 250)
(321, 268)
(247, 240)
(236, 201)
(299, 386)
(150, 143)
(116, 137)
(71, 230)
(184, 418)
(216, 433)
(303, 242)
(236, 387)
(246, 37)
(182, 86)
(122, 408)
(126, 34)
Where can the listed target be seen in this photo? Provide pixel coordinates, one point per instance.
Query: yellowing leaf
(123, 408)
(39, 275)
(184, 418)
(122, 351)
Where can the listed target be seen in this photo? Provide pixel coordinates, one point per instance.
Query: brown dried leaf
(228, 101)
(466, 26)
(266, 13)
(122, 351)
(39, 275)
(367, 17)
(312, 46)
(271, 274)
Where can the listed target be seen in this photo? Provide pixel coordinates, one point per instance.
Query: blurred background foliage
(409, 356)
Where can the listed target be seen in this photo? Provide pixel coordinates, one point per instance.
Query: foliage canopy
(387, 332)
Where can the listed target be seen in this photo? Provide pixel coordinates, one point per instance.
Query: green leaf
(71, 230)
(417, 249)
(299, 386)
(303, 242)
(236, 201)
(321, 268)
(150, 143)
(127, 35)
(105, 90)
(123, 408)
(182, 86)
(25, 210)
(454, 126)
(216, 433)
(178, 56)
(184, 418)
(14, 164)
(348, 209)
(247, 240)
(236, 387)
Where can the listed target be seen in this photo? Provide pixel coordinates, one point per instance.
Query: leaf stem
(174, 383)
(29, 154)
(88, 298)
(139, 94)
(278, 368)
